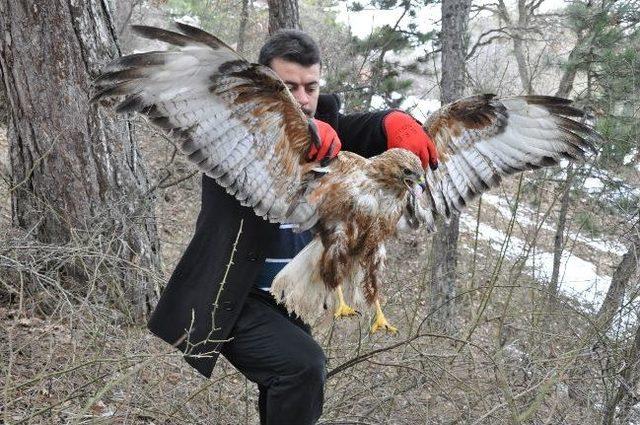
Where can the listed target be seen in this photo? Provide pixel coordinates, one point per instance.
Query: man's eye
(312, 88)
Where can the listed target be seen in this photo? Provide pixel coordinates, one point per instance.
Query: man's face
(303, 82)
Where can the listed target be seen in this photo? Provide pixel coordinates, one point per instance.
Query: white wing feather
(236, 121)
(481, 139)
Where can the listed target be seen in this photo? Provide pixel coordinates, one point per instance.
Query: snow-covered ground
(525, 217)
(578, 278)
(630, 157)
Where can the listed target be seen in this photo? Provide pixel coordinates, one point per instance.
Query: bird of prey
(239, 124)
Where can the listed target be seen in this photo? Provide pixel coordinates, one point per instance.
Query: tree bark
(121, 13)
(455, 17)
(76, 172)
(242, 30)
(518, 30)
(519, 47)
(523, 67)
(626, 269)
(558, 240)
(283, 14)
(570, 72)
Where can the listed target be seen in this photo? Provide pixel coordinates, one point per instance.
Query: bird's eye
(407, 172)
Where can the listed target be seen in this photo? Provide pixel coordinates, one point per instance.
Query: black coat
(201, 302)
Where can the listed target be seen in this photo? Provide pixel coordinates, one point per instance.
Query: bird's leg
(380, 322)
(372, 274)
(343, 310)
(334, 268)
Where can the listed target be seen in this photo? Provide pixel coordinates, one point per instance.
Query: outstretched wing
(235, 120)
(480, 139)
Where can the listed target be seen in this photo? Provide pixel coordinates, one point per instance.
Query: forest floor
(508, 355)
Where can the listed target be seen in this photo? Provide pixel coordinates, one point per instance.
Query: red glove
(326, 143)
(403, 131)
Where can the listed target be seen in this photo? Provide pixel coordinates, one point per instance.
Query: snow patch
(378, 102)
(593, 185)
(578, 278)
(420, 108)
(628, 158)
(190, 20)
(524, 216)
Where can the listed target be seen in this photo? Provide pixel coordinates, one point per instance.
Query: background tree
(605, 54)
(620, 281)
(453, 37)
(242, 30)
(75, 171)
(283, 14)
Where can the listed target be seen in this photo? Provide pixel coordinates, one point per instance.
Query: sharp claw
(385, 326)
(345, 311)
(380, 322)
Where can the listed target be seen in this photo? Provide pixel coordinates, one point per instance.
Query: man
(218, 300)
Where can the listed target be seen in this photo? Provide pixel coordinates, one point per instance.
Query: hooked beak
(410, 183)
(423, 182)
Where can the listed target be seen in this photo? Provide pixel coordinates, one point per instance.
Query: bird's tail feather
(299, 286)
(301, 289)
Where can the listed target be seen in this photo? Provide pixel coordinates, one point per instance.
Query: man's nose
(301, 96)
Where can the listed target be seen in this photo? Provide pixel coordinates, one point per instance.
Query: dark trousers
(277, 352)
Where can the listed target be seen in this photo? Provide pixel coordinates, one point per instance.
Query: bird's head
(401, 170)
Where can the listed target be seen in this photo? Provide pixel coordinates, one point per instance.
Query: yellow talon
(343, 309)
(380, 322)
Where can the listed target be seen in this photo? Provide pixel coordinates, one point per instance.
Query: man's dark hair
(291, 45)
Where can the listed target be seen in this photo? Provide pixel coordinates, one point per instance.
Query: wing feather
(480, 139)
(236, 121)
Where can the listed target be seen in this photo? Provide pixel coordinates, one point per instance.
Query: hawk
(239, 124)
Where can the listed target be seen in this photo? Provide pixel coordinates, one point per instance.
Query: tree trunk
(558, 241)
(76, 170)
(242, 30)
(584, 41)
(625, 270)
(519, 47)
(570, 72)
(523, 67)
(566, 85)
(283, 14)
(121, 13)
(455, 16)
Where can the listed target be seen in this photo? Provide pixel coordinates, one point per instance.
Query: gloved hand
(326, 143)
(403, 131)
